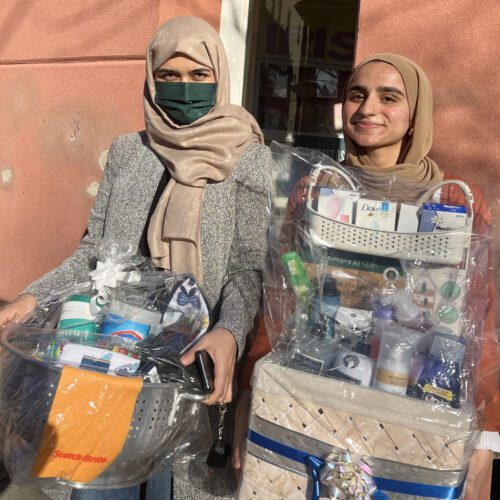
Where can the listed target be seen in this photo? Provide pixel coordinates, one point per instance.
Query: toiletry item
(119, 344)
(319, 322)
(315, 356)
(352, 319)
(353, 367)
(52, 351)
(297, 275)
(98, 359)
(298, 327)
(418, 359)
(330, 302)
(376, 214)
(440, 294)
(130, 322)
(406, 312)
(326, 308)
(394, 360)
(337, 204)
(440, 217)
(440, 377)
(383, 318)
(185, 301)
(408, 218)
(76, 322)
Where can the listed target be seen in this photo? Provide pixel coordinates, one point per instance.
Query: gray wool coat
(233, 235)
(233, 227)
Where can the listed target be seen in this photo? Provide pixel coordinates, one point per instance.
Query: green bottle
(297, 275)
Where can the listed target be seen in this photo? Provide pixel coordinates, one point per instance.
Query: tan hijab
(416, 172)
(194, 154)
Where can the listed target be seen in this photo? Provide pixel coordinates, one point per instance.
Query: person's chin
(367, 140)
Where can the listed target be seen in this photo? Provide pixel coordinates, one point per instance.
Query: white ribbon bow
(106, 276)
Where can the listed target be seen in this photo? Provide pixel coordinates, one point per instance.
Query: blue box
(440, 217)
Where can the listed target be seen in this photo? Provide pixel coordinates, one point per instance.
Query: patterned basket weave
(361, 420)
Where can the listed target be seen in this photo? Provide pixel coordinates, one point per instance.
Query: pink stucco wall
(456, 43)
(71, 78)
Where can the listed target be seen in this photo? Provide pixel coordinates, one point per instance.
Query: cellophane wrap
(376, 330)
(117, 340)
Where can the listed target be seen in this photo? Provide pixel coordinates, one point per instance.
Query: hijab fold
(415, 172)
(194, 154)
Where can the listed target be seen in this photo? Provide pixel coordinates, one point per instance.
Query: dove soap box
(337, 204)
(440, 217)
(376, 214)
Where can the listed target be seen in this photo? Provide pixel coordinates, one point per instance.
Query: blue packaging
(440, 217)
(439, 380)
(123, 328)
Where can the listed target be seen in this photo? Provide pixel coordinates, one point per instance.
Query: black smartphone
(205, 366)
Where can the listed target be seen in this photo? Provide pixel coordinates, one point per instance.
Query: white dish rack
(439, 247)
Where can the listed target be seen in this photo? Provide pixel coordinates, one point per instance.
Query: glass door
(300, 54)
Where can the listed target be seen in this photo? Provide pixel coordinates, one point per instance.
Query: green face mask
(185, 102)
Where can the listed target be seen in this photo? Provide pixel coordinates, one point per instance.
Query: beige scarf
(408, 180)
(194, 154)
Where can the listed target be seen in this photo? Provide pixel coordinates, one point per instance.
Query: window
(300, 54)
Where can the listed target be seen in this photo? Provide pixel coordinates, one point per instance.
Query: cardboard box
(439, 217)
(337, 204)
(408, 218)
(376, 214)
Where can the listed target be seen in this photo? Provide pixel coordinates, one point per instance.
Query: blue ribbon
(315, 464)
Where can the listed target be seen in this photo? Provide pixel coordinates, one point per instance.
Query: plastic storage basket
(25, 400)
(440, 247)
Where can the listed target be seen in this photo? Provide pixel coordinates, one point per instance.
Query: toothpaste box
(408, 218)
(440, 217)
(337, 204)
(376, 214)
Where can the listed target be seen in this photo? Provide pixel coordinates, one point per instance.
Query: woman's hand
(240, 426)
(18, 310)
(221, 346)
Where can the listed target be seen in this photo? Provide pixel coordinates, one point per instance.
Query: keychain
(220, 450)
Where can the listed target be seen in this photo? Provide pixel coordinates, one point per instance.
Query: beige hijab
(194, 154)
(415, 172)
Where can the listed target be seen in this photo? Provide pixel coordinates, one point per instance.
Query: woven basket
(361, 420)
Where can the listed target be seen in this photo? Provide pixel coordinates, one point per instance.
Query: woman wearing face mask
(190, 192)
(387, 122)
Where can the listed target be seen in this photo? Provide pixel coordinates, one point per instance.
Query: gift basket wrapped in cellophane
(375, 308)
(92, 390)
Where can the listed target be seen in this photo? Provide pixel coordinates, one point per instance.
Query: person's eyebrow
(167, 70)
(361, 88)
(357, 87)
(201, 68)
(391, 89)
